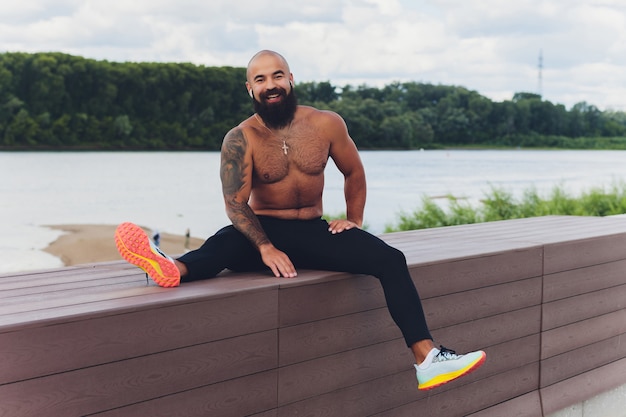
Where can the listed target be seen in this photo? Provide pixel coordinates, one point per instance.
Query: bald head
(266, 54)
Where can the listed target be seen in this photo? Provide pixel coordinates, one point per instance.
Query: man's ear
(251, 93)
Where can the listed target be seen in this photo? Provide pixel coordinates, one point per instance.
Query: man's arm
(236, 176)
(346, 156)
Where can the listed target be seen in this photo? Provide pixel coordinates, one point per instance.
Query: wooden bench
(544, 297)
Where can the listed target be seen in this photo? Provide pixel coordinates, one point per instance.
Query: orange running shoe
(136, 247)
(447, 366)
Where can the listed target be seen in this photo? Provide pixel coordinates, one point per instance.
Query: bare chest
(297, 153)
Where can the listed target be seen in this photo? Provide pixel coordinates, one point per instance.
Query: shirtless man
(272, 173)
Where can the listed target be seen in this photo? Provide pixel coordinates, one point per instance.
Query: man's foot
(136, 247)
(445, 366)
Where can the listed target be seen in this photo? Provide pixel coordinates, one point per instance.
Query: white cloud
(491, 47)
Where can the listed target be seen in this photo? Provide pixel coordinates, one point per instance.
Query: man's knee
(385, 259)
(395, 256)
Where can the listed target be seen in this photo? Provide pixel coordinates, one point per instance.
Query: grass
(500, 204)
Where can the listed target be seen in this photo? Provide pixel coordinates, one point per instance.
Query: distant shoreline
(476, 147)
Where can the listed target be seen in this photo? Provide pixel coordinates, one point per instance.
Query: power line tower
(540, 68)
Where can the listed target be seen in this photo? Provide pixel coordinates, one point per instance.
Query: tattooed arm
(236, 175)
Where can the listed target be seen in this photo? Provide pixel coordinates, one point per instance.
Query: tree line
(60, 101)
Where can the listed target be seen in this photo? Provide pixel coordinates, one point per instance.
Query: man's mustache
(275, 90)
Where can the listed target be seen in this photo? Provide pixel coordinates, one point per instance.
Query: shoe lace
(445, 354)
(161, 252)
(158, 250)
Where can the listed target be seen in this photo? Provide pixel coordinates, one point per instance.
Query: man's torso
(288, 166)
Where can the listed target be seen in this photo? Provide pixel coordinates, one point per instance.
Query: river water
(173, 191)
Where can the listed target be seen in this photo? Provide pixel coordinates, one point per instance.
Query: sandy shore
(94, 243)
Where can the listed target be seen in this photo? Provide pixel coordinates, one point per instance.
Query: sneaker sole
(451, 376)
(134, 246)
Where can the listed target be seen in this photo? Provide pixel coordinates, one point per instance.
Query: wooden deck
(544, 297)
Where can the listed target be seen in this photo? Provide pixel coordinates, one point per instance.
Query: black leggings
(310, 245)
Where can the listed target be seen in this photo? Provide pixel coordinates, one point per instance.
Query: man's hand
(338, 226)
(277, 261)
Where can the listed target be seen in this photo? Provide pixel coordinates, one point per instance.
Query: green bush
(500, 204)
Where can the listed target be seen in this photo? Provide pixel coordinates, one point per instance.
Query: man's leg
(228, 248)
(311, 246)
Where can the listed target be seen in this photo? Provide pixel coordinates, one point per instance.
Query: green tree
(122, 126)
(314, 92)
(21, 131)
(58, 100)
(397, 132)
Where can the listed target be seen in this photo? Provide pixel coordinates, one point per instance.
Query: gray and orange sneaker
(446, 366)
(136, 247)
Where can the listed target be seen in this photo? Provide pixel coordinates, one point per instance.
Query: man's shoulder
(310, 109)
(238, 134)
(245, 123)
(243, 127)
(317, 114)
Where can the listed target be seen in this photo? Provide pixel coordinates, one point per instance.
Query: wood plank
(51, 297)
(38, 294)
(53, 282)
(118, 302)
(581, 253)
(72, 270)
(455, 308)
(338, 334)
(466, 247)
(270, 413)
(358, 400)
(216, 286)
(69, 273)
(39, 351)
(573, 336)
(583, 280)
(468, 274)
(117, 384)
(542, 230)
(581, 307)
(490, 331)
(302, 304)
(583, 387)
(525, 229)
(527, 405)
(563, 228)
(55, 299)
(506, 356)
(323, 375)
(587, 358)
(246, 396)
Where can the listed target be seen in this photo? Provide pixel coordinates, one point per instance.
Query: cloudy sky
(491, 46)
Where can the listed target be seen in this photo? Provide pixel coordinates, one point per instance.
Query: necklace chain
(285, 148)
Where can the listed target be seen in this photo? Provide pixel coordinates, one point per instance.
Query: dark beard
(277, 115)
